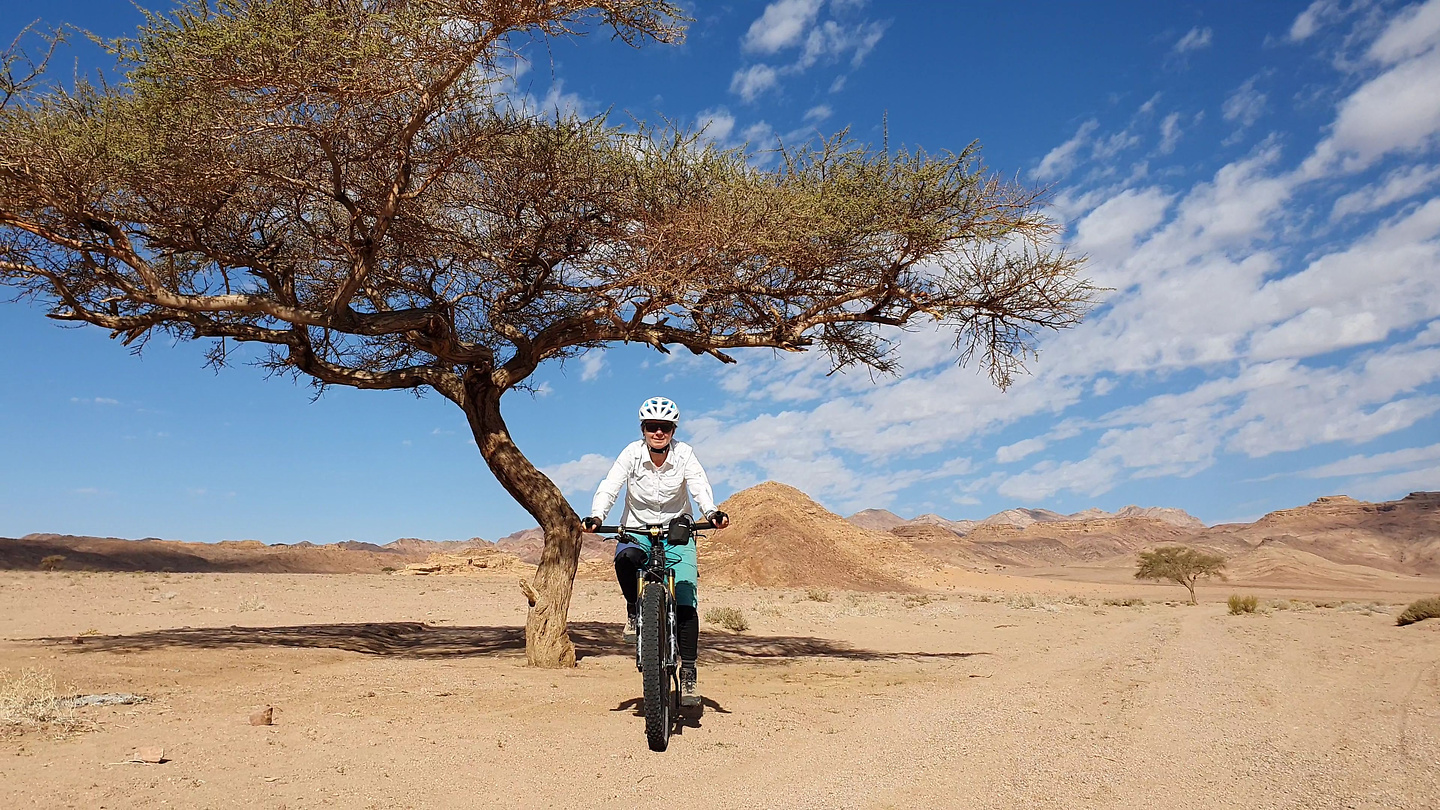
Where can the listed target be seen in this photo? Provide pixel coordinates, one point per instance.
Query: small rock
(264, 717)
(150, 755)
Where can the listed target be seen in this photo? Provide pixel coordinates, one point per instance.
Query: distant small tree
(1179, 564)
(54, 562)
(347, 184)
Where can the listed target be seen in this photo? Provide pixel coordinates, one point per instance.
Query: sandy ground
(397, 691)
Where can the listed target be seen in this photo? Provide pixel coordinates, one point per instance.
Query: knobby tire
(653, 643)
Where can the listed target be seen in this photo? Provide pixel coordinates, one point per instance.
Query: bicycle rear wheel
(653, 644)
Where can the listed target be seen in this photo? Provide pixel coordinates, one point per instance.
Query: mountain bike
(657, 651)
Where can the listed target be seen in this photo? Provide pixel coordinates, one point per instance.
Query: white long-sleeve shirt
(654, 495)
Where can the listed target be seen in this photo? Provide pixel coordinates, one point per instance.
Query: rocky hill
(249, 556)
(780, 536)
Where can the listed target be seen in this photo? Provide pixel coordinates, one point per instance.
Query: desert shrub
(28, 702)
(1076, 600)
(1130, 602)
(1242, 604)
(251, 602)
(1179, 564)
(817, 595)
(53, 563)
(916, 600)
(728, 617)
(1420, 610)
(1368, 608)
(1022, 601)
(389, 569)
(987, 597)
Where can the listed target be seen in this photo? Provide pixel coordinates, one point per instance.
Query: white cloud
(591, 364)
(1397, 111)
(1414, 31)
(1312, 18)
(580, 476)
(1400, 184)
(1060, 160)
(716, 124)
(1169, 133)
(781, 25)
(1019, 450)
(818, 113)
(1195, 39)
(94, 401)
(1397, 485)
(1110, 230)
(1245, 105)
(750, 82)
(1378, 463)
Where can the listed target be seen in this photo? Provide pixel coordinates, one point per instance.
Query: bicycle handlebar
(659, 530)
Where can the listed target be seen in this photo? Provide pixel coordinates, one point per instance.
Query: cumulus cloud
(1019, 450)
(748, 83)
(716, 125)
(1397, 111)
(781, 25)
(581, 476)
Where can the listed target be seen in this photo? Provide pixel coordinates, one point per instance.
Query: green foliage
(728, 617)
(1242, 604)
(1179, 564)
(1420, 610)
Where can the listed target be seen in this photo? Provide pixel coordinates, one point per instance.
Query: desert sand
(964, 685)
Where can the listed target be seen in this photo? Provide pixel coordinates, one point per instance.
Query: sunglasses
(657, 427)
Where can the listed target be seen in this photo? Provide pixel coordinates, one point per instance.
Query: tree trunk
(547, 644)
(1189, 585)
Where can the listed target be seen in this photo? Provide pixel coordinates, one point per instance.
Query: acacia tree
(344, 183)
(1181, 565)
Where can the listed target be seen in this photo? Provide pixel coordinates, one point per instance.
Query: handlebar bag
(680, 531)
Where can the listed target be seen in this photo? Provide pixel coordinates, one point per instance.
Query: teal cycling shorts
(682, 559)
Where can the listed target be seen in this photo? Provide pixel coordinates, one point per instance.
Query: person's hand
(590, 524)
(720, 519)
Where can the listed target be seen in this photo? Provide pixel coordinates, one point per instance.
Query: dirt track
(865, 701)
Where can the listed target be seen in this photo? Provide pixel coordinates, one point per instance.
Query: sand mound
(782, 538)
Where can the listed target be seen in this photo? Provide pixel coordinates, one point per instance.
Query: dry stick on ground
(348, 185)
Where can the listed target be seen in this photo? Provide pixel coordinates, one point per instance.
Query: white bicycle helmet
(660, 408)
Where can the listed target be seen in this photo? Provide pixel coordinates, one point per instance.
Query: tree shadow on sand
(418, 640)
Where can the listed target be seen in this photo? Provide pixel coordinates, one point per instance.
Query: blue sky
(1255, 182)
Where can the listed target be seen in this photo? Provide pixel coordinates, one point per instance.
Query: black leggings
(687, 619)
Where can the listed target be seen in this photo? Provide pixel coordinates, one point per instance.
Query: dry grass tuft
(1242, 604)
(251, 602)
(916, 600)
(817, 595)
(1419, 610)
(29, 702)
(1130, 602)
(728, 617)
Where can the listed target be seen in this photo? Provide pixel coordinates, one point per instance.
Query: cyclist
(656, 473)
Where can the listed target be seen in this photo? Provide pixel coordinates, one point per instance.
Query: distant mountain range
(781, 537)
(883, 521)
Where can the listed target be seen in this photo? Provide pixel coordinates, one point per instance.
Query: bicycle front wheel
(654, 641)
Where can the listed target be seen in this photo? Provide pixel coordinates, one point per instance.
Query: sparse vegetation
(1179, 564)
(1243, 604)
(1130, 602)
(28, 702)
(817, 595)
(728, 617)
(1072, 599)
(917, 600)
(54, 562)
(251, 602)
(1420, 610)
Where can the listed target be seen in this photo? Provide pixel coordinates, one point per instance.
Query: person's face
(657, 432)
